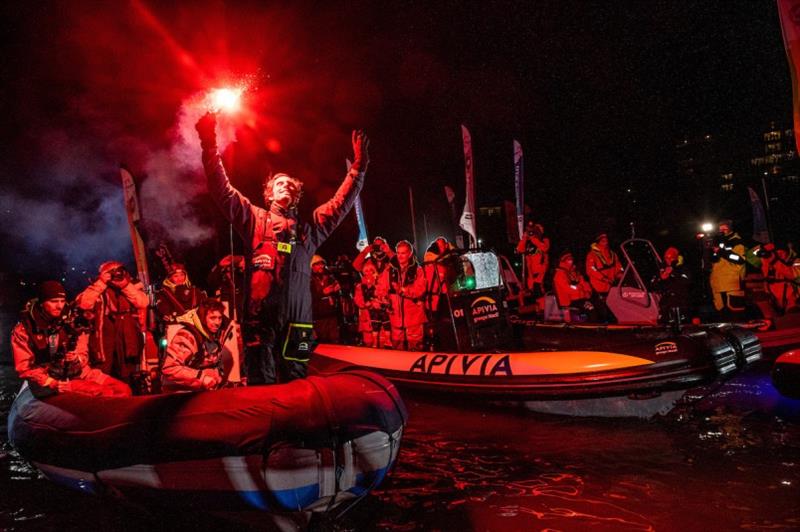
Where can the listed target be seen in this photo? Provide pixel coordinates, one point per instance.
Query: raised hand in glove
(360, 150)
(207, 129)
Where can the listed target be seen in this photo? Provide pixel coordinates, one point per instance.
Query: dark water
(725, 459)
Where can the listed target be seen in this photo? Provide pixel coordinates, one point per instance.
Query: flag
(134, 216)
(519, 186)
(511, 222)
(789, 13)
(451, 201)
(467, 221)
(760, 229)
(363, 239)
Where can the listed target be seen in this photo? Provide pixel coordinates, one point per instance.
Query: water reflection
(726, 457)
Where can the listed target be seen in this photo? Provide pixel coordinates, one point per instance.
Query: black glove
(207, 129)
(360, 151)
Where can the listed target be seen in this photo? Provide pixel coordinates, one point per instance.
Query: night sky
(598, 93)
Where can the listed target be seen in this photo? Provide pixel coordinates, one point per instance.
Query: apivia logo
(664, 348)
(484, 308)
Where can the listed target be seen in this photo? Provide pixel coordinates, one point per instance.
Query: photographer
(118, 304)
(379, 254)
(51, 348)
(727, 272)
(534, 247)
(373, 311)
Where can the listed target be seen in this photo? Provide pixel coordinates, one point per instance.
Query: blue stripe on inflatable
(297, 498)
(366, 481)
(255, 499)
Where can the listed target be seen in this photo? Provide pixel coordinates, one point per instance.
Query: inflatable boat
(588, 364)
(480, 351)
(309, 445)
(786, 374)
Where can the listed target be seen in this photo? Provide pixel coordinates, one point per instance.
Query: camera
(118, 274)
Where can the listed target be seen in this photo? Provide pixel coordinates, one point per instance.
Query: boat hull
(632, 362)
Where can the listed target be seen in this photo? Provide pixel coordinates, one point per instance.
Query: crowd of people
(288, 297)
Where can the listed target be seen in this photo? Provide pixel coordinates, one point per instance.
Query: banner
(134, 216)
(468, 222)
(519, 187)
(511, 222)
(451, 201)
(760, 229)
(363, 238)
(789, 13)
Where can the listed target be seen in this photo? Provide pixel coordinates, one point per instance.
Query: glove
(360, 151)
(207, 129)
(210, 379)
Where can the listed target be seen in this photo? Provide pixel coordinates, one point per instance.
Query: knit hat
(176, 267)
(600, 237)
(51, 290)
(316, 259)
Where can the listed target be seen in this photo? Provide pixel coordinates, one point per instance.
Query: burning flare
(225, 99)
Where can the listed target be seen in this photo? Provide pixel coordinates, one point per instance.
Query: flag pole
(413, 219)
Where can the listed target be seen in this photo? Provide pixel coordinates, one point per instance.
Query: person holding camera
(727, 272)
(373, 311)
(534, 247)
(278, 323)
(119, 305)
(50, 345)
(378, 253)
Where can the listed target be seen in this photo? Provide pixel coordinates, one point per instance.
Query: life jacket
(605, 264)
(49, 342)
(209, 347)
(275, 235)
(394, 273)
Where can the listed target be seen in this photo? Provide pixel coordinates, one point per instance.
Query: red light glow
(225, 100)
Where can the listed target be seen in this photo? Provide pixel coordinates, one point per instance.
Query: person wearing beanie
(727, 272)
(403, 284)
(50, 345)
(193, 360)
(278, 321)
(119, 305)
(177, 295)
